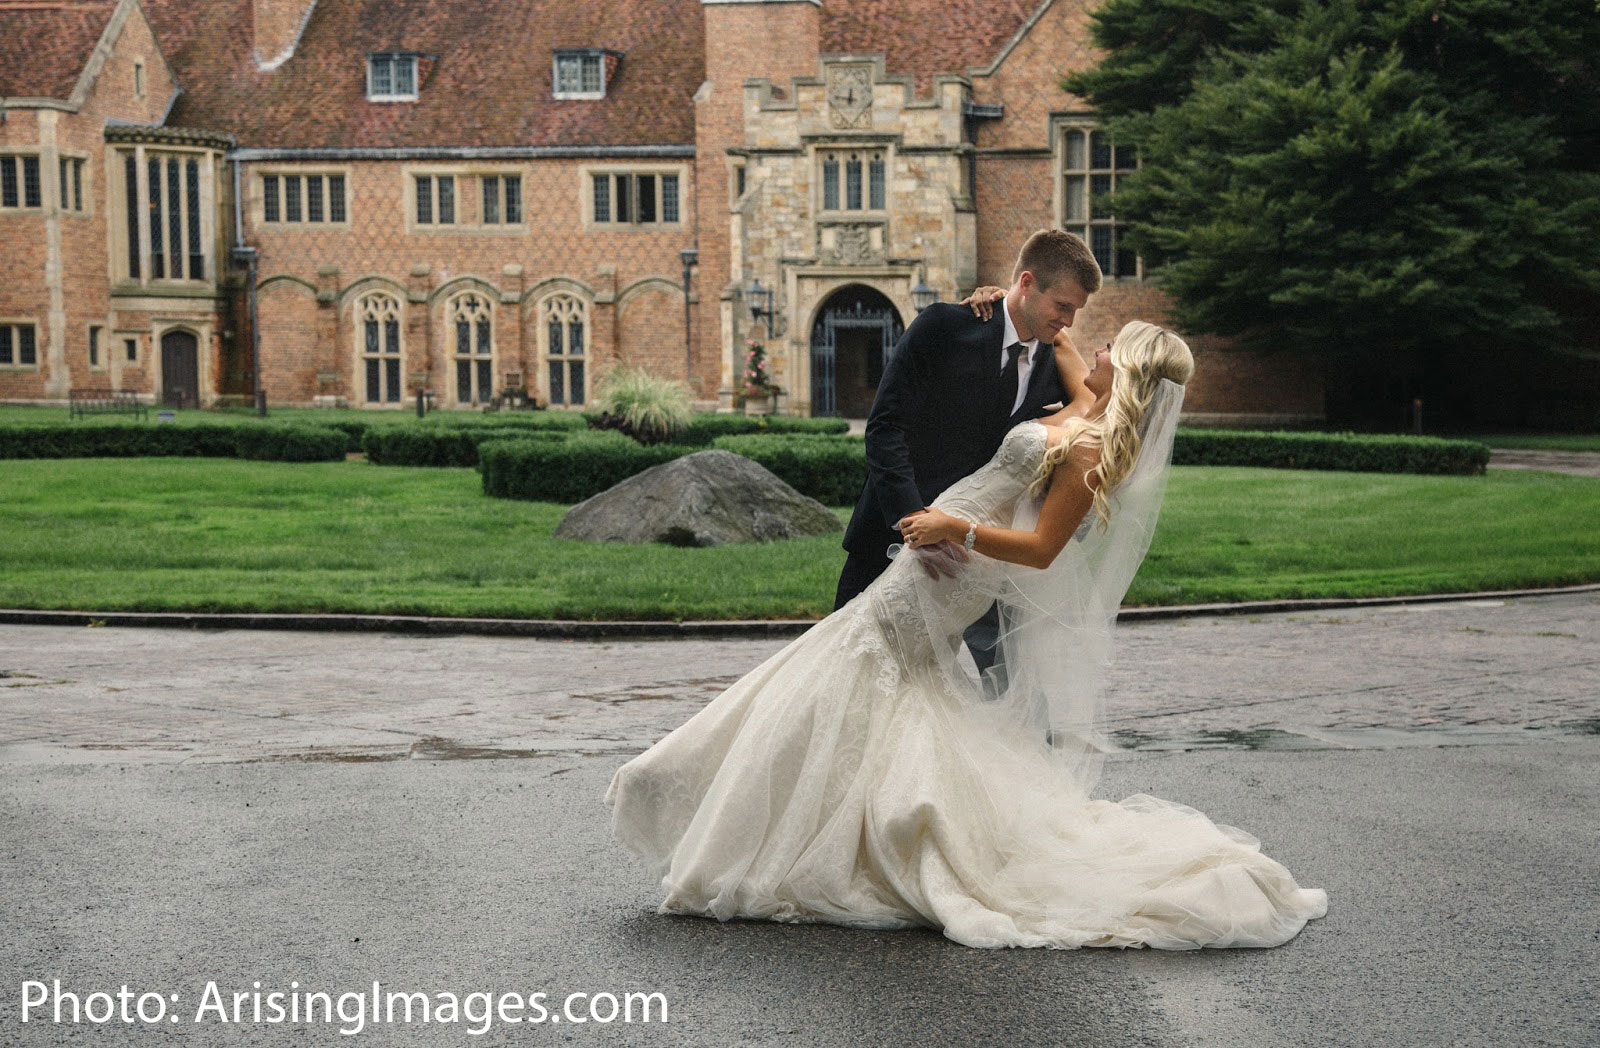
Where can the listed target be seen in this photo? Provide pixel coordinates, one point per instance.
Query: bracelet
(972, 536)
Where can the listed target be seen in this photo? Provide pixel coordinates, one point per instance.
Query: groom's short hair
(1051, 254)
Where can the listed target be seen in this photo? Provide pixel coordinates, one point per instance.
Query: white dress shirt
(1024, 361)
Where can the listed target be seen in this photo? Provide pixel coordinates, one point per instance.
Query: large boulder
(709, 498)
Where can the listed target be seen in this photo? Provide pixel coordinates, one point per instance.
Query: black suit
(940, 413)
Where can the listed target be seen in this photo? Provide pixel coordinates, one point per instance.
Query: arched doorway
(180, 369)
(853, 336)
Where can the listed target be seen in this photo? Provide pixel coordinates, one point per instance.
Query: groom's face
(1046, 310)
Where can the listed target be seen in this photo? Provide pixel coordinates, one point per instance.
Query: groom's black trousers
(860, 571)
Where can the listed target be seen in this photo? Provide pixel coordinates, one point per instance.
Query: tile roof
(489, 83)
(45, 44)
(924, 37)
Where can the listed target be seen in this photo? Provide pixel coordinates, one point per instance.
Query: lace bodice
(989, 494)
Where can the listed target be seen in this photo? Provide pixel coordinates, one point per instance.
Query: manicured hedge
(566, 471)
(706, 428)
(114, 440)
(1356, 452)
(355, 431)
(290, 443)
(443, 446)
(830, 469)
(529, 420)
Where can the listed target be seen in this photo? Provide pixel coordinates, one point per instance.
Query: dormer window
(392, 77)
(580, 74)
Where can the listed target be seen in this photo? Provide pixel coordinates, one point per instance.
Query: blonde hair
(1141, 356)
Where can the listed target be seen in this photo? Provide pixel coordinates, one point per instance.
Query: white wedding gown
(850, 780)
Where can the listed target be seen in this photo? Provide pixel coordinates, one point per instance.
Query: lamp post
(688, 256)
(923, 296)
(760, 303)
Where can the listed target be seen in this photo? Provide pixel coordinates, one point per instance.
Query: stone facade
(853, 155)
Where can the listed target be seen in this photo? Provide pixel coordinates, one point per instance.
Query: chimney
(276, 26)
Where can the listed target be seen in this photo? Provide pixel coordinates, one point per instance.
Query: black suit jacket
(939, 414)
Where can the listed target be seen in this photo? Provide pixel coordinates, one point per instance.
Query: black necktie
(1008, 379)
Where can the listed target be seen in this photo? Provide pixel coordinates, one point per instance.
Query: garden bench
(82, 402)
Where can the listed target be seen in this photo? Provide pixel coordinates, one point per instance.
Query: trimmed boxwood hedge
(1355, 452)
(114, 440)
(442, 446)
(290, 443)
(566, 471)
(567, 421)
(830, 469)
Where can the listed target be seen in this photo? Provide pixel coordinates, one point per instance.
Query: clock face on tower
(850, 96)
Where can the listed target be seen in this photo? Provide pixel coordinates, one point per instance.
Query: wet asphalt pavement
(184, 809)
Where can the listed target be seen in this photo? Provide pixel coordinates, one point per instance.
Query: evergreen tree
(1393, 183)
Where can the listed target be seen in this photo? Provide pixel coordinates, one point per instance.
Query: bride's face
(1099, 378)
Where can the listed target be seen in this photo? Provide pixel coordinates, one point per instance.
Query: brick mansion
(351, 201)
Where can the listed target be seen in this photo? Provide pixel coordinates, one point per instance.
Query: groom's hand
(942, 560)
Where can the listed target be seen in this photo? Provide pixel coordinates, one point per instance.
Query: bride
(865, 776)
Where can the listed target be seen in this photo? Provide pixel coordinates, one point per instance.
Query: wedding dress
(864, 776)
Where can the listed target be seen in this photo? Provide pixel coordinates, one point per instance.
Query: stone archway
(851, 341)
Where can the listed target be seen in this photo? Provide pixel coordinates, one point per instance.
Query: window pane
(1076, 160)
(31, 195)
(830, 183)
(372, 336)
(464, 381)
(463, 337)
(483, 335)
(624, 186)
(669, 198)
(391, 369)
(424, 200)
(382, 76)
(391, 336)
(852, 183)
(1127, 262)
(575, 394)
(513, 188)
(77, 185)
(336, 198)
(602, 198)
(5, 345)
(555, 337)
(66, 187)
(8, 182)
(158, 265)
(591, 73)
(558, 389)
(130, 178)
(1076, 207)
(374, 373)
(1099, 151)
(26, 351)
(174, 222)
(485, 379)
(491, 200)
(94, 347)
(575, 339)
(291, 199)
(447, 200)
(314, 198)
(1100, 243)
(875, 183)
(405, 75)
(197, 262)
(568, 75)
(131, 347)
(1099, 188)
(269, 198)
(647, 198)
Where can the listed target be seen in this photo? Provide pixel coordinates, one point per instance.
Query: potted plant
(758, 388)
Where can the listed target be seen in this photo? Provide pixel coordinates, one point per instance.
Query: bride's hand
(929, 526)
(982, 301)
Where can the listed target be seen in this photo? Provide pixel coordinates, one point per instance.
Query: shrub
(649, 409)
(567, 471)
(706, 428)
(830, 469)
(441, 446)
(796, 424)
(355, 431)
(563, 421)
(290, 443)
(1357, 452)
(115, 440)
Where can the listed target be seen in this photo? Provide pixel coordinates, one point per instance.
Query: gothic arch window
(471, 331)
(566, 349)
(378, 336)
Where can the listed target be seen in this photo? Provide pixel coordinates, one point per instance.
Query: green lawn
(228, 535)
(1543, 441)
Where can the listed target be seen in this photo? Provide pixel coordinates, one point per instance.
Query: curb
(646, 630)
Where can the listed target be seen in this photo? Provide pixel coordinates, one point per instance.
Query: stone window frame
(80, 202)
(11, 343)
(17, 178)
(128, 339)
(138, 78)
(738, 180)
(479, 176)
(574, 306)
(837, 151)
(1085, 220)
(361, 313)
(587, 173)
(392, 95)
(453, 307)
(120, 218)
(96, 345)
(258, 204)
(587, 59)
(466, 198)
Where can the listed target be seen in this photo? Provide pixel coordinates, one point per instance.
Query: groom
(953, 388)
